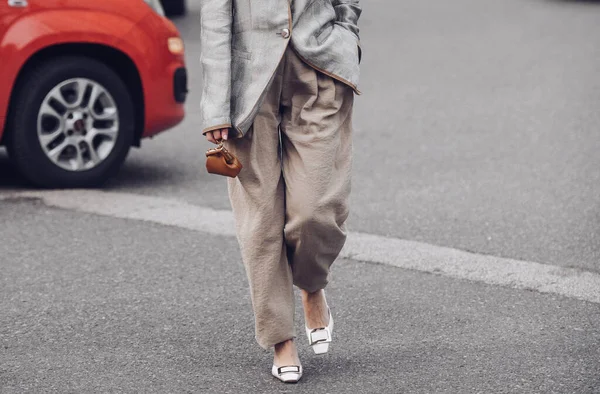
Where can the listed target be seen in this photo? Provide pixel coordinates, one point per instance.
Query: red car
(81, 81)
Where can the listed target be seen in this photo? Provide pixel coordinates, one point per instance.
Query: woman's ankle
(312, 296)
(285, 353)
(316, 311)
(284, 345)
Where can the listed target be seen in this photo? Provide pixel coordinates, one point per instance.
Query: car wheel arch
(116, 59)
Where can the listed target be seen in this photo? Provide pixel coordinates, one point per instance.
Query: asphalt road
(116, 305)
(477, 130)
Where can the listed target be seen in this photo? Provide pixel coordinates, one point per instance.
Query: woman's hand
(217, 135)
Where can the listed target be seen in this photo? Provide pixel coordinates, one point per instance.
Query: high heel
(287, 374)
(320, 338)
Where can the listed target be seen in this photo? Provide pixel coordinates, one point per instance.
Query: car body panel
(129, 27)
(154, 60)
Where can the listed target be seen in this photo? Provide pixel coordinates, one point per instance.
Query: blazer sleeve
(347, 14)
(215, 40)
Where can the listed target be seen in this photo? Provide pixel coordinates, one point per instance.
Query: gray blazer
(243, 42)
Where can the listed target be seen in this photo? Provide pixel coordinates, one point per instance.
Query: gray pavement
(477, 130)
(96, 304)
(481, 118)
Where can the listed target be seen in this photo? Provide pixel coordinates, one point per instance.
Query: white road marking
(544, 278)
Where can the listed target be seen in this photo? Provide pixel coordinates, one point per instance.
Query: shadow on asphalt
(133, 174)
(130, 175)
(9, 177)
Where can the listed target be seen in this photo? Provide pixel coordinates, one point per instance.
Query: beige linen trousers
(290, 201)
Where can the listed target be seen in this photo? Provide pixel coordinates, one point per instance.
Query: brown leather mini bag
(221, 162)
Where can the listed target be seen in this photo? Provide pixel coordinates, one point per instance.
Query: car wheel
(71, 123)
(174, 7)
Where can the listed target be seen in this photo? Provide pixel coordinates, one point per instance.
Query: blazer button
(285, 33)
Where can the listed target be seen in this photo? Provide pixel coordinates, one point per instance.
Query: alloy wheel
(78, 124)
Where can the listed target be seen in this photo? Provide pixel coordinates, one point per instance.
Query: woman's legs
(257, 198)
(291, 230)
(317, 158)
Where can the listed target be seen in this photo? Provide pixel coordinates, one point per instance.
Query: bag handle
(229, 159)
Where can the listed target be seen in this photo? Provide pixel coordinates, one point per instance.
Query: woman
(279, 83)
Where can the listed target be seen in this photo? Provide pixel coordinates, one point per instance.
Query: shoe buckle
(291, 368)
(319, 335)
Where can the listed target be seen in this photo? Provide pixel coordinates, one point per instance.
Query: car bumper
(165, 101)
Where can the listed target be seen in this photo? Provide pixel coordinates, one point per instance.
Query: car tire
(174, 7)
(24, 141)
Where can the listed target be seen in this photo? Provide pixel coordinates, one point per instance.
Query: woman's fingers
(216, 135)
(210, 138)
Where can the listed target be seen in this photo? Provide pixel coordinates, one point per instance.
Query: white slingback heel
(320, 338)
(287, 374)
